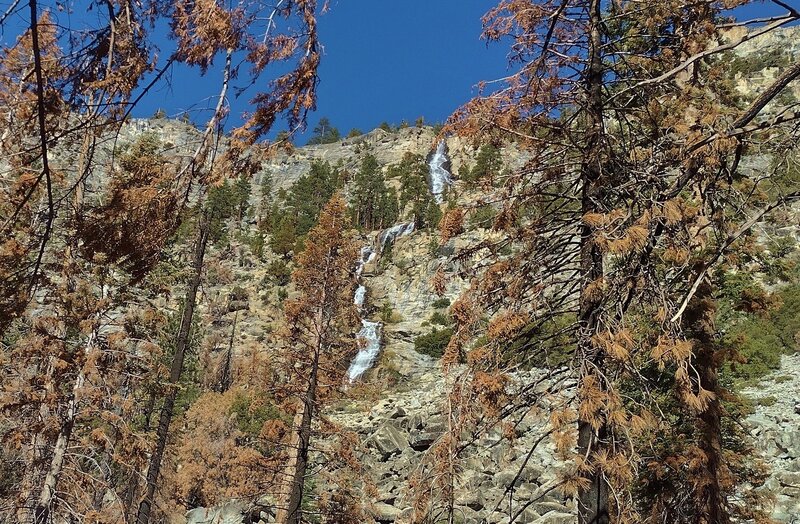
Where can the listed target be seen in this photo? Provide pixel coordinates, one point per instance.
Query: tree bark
(181, 345)
(43, 504)
(225, 379)
(592, 500)
(289, 510)
(700, 316)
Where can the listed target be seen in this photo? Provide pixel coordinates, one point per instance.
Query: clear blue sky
(383, 61)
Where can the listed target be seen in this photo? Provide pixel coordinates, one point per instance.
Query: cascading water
(439, 175)
(367, 256)
(388, 236)
(361, 294)
(370, 334)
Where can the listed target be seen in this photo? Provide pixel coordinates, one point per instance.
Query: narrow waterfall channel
(440, 177)
(370, 332)
(388, 236)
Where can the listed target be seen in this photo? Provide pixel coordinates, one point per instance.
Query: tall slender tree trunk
(711, 500)
(291, 494)
(181, 344)
(133, 482)
(41, 513)
(47, 492)
(593, 499)
(289, 508)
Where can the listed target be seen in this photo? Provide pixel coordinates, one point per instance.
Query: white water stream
(370, 335)
(388, 236)
(440, 177)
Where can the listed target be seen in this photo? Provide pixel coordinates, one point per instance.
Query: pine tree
(373, 205)
(324, 133)
(413, 174)
(607, 223)
(70, 253)
(488, 166)
(321, 323)
(176, 369)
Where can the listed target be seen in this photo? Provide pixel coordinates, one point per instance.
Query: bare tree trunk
(289, 509)
(181, 344)
(700, 316)
(592, 500)
(41, 513)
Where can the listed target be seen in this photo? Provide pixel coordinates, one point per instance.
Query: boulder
(556, 517)
(385, 512)
(789, 443)
(422, 440)
(388, 440)
(228, 513)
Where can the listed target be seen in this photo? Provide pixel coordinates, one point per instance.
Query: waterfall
(361, 293)
(370, 334)
(388, 236)
(367, 256)
(439, 175)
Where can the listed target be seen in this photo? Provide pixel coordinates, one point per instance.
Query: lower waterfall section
(370, 335)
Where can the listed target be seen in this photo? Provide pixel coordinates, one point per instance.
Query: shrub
(256, 244)
(278, 273)
(441, 303)
(761, 340)
(252, 412)
(434, 343)
(389, 315)
(439, 318)
(483, 217)
(238, 294)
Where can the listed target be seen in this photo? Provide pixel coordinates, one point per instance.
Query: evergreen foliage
(433, 343)
(324, 133)
(373, 205)
(416, 201)
(295, 212)
(227, 203)
(488, 165)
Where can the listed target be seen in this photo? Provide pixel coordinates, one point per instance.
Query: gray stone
(555, 517)
(229, 513)
(388, 440)
(550, 507)
(473, 499)
(385, 512)
(789, 442)
(422, 440)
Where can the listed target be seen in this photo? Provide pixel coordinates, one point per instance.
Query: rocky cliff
(404, 413)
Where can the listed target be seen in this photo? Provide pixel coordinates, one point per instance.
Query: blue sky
(383, 61)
